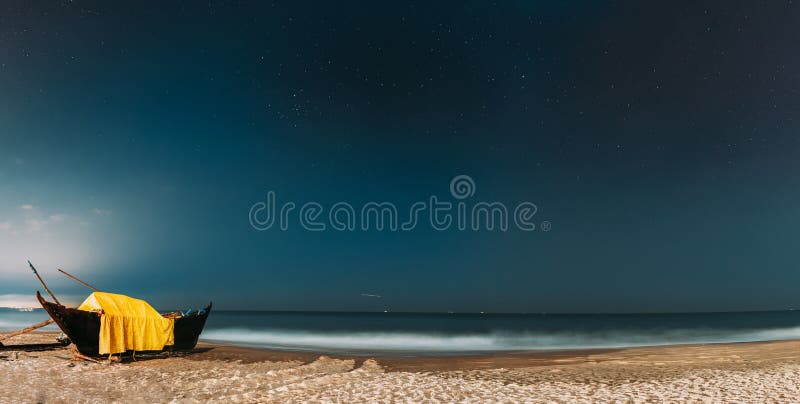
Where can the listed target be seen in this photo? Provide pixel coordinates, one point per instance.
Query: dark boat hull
(83, 327)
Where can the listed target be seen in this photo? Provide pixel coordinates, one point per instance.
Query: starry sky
(660, 140)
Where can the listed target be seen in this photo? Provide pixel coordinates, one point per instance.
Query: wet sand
(763, 371)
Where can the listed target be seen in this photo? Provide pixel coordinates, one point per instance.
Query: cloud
(102, 212)
(58, 217)
(32, 220)
(18, 301)
(50, 238)
(35, 225)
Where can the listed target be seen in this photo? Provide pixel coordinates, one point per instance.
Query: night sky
(659, 139)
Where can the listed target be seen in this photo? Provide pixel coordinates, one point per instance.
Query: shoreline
(750, 352)
(226, 373)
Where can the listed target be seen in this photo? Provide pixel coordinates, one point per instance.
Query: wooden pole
(26, 330)
(78, 280)
(43, 284)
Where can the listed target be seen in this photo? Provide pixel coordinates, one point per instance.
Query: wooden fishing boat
(83, 327)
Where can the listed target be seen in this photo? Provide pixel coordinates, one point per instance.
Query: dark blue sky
(659, 140)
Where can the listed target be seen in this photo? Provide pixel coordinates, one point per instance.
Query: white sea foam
(496, 341)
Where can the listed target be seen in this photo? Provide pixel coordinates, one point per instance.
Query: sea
(412, 334)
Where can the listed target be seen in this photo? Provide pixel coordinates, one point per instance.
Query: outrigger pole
(78, 280)
(43, 284)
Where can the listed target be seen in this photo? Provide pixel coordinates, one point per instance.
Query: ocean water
(419, 333)
(424, 333)
(14, 319)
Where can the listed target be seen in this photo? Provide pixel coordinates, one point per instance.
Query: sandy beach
(764, 371)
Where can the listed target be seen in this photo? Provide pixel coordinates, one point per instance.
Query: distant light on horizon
(18, 301)
(23, 301)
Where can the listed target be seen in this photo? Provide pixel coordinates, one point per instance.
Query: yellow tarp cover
(129, 324)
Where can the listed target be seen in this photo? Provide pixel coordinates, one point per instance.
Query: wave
(420, 342)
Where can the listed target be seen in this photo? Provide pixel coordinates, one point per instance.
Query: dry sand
(749, 372)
